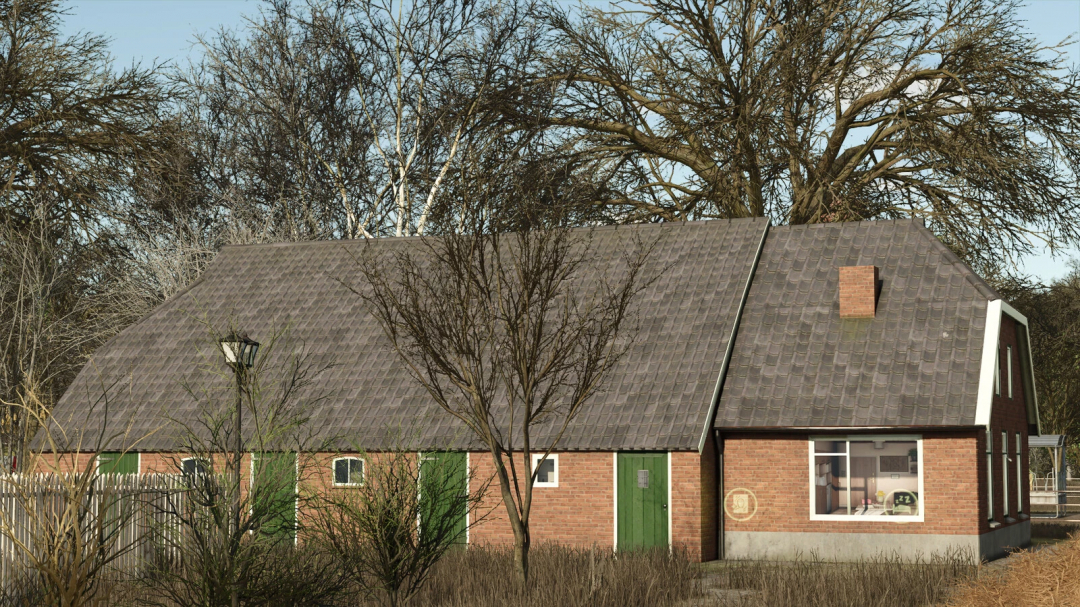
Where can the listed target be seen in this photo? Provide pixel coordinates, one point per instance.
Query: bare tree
(56, 304)
(68, 123)
(71, 130)
(403, 513)
(235, 540)
(506, 337)
(829, 110)
(69, 523)
(342, 119)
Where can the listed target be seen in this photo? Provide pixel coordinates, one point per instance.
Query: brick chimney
(858, 291)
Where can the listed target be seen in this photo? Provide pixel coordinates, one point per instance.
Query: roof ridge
(613, 227)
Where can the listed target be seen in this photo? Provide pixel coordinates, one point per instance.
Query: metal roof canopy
(1047, 440)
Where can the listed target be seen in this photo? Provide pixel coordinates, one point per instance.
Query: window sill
(1024, 517)
(1009, 520)
(994, 524)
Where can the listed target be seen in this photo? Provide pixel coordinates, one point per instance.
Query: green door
(444, 495)
(642, 500)
(274, 493)
(118, 463)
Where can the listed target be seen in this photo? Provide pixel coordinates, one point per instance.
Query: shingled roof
(658, 398)
(797, 364)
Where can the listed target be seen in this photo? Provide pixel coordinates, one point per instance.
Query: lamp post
(239, 351)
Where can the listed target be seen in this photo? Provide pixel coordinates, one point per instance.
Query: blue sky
(164, 30)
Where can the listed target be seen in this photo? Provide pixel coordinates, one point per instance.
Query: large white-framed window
(1008, 370)
(866, 478)
(547, 473)
(989, 476)
(348, 471)
(1019, 475)
(1005, 474)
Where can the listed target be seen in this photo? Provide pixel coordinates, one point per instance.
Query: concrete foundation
(857, 546)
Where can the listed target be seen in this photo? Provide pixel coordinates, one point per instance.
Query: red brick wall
(579, 512)
(693, 496)
(776, 468)
(1010, 415)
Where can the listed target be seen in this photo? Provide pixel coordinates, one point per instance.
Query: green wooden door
(118, 463)
(444, 495)
(274, 493)
(642, 500)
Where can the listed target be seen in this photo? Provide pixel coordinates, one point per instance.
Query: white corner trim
(991, 335)
(715, 402)
(615, 500)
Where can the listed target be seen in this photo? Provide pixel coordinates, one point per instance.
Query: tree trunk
(519, 520)
(521, 556)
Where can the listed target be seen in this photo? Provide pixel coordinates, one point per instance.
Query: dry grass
(882, 581)
(1048, 577)
(483, 577)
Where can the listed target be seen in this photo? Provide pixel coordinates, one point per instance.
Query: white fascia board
(731, 342)
(991, 335)
(1013, 313)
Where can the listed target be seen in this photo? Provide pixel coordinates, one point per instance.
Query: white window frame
(1008, 369)
(333, 471)
(997, 372)
(916, 438)
(1019, 475)
(554, 457)
(196, 459)
(1005, 474)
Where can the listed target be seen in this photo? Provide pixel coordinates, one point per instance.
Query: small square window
(547, 473)
(192, 466)
(348, 471)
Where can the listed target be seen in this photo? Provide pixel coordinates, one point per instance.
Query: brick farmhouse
(840, 389)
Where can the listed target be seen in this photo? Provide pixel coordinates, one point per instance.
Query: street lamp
(239, 351)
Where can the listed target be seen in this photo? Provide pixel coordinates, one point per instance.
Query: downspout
(718, 445)
(718, 459)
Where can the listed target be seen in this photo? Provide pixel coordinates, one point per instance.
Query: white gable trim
(991, 336)
(1029, 379)
(991, 339)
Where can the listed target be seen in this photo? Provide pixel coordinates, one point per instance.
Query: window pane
(884, 478)
(356, 470)
(546, 472)
(830, 446)
(1019, 476)
(830, 484)
(1005, 473)
(191, 466)
(341, 471)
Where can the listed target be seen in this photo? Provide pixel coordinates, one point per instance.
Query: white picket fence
(125, 514)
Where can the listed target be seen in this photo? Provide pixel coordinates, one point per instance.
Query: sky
(150, 31)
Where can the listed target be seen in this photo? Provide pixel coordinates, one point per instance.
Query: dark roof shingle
(796, 363)
(657, 398)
